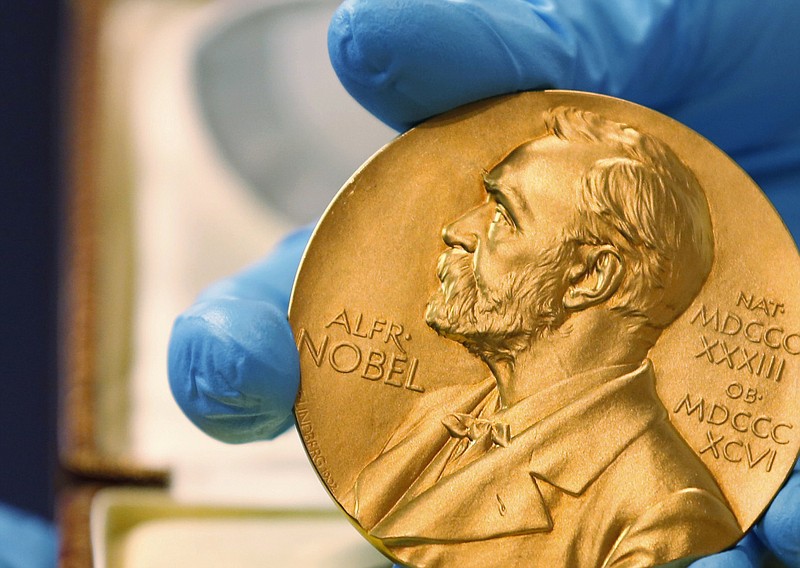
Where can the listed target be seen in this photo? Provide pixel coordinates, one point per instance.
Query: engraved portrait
(592, 239)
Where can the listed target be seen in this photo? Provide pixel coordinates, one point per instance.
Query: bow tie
(467, 426)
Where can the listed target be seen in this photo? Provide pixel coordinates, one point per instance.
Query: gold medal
(550, 329)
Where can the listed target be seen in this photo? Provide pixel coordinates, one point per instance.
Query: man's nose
(464, 231)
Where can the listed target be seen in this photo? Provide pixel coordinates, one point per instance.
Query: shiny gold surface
(550, 329)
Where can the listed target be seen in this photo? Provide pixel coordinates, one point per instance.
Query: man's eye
(501, 216)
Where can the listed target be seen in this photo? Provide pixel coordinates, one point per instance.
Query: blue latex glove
(726, 69)
(233, 366)
(25, 540)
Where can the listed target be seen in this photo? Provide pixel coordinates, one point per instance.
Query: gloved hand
(726, 69)
(25, 541)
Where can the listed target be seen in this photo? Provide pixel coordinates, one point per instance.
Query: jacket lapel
(493, 496)
(410, 454)
(605, 421)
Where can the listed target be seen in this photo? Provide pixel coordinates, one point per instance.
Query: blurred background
(150, 147)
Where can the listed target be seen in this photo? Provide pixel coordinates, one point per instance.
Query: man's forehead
(544, 165)
(548, 151)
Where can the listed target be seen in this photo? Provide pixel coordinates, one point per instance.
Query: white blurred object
(240, 130)
(276, 110)
(142, 528)
(210, 544)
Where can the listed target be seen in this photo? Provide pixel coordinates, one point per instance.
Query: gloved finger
(720, 67)
(25, 541)
(233, 369)
(780, 527)
(407, 60)
(233, 366)
(748, 553)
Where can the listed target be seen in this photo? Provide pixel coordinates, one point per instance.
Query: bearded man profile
(592, 240)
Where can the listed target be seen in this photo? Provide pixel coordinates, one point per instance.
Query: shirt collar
(538, 406)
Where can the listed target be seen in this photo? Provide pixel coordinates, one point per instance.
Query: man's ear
(596, 279)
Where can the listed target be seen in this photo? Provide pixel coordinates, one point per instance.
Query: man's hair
(648, 204)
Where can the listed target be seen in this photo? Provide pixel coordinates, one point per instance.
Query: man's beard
(527, 306)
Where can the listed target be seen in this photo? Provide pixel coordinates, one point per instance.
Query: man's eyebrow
(491, 185)
(502, 193)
